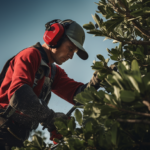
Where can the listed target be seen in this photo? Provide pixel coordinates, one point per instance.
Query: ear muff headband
(55, 32)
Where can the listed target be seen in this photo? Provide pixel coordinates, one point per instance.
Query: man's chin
(59, 63)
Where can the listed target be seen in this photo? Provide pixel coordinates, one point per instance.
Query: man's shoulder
(29, 52)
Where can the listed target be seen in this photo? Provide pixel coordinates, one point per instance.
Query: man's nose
(71, 55)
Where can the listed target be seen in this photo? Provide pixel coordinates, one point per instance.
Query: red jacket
(22, 70)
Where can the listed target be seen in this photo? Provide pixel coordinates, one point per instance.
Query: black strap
(42, 52)
(53, 72)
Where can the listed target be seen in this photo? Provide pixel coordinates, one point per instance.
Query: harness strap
(53, 72)
(48, 91)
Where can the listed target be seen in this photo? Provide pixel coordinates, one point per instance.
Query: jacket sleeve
(24, 66)
(64, 87)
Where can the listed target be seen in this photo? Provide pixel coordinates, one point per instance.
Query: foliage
(37, 142)
(118, 117)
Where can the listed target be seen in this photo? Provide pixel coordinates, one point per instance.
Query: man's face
(64, 52)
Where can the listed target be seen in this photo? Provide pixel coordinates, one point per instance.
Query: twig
(133, 121)
(146, 103)
(115, 8)
(135, 42)
(139, 28)
(128, 111)
(132, 137)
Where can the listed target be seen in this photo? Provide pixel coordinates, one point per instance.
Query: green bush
(117, 117)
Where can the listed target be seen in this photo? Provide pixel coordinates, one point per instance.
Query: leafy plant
(117, 117)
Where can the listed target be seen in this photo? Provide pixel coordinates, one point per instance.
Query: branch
(115, 8)
(128, 16)
(132, 137)
(146, 103)
(131, 42)
(133, 121)
(139, 28)
(128, 111)
(136, 42)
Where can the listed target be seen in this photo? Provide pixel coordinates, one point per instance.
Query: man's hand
(95, 81)
(51, 125)
(113, 67)
(52, 128)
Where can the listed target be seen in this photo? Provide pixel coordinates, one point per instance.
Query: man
(25, 89)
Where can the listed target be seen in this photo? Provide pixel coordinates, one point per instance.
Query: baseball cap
(76, 35)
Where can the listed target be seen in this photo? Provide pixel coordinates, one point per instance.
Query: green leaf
(139, 52)
(60, 124)
(107, 38)
(114, 57)
(61, 127)
(75, 144)
(134, 83)
(111, 24)
(117, 93)
(115, 41)
(88, 130)
(37, 141)
(83, 97)
(100, 57)
(88, 127)
(135, 68)
(96, 32)
(127, 96)
(135, 6)
(126, 64)
(96, 109)
(146, 2)
(90, 142)
(107, 60)
(107, 110)
(97, 20)
(89, 26)
(146, 10)
(101, 94)
(78, 116)
(102, 9)
(71, 124)
(137, 12)
(146, 82)
(114, 134)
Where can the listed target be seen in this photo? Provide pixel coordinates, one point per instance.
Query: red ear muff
(53, 34)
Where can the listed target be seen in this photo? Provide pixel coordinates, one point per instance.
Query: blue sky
(22, 24)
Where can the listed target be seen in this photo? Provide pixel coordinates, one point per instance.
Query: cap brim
(81, 52)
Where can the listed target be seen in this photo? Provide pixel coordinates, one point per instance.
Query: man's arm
(94, 82)
(63, 86)
(24, 67)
